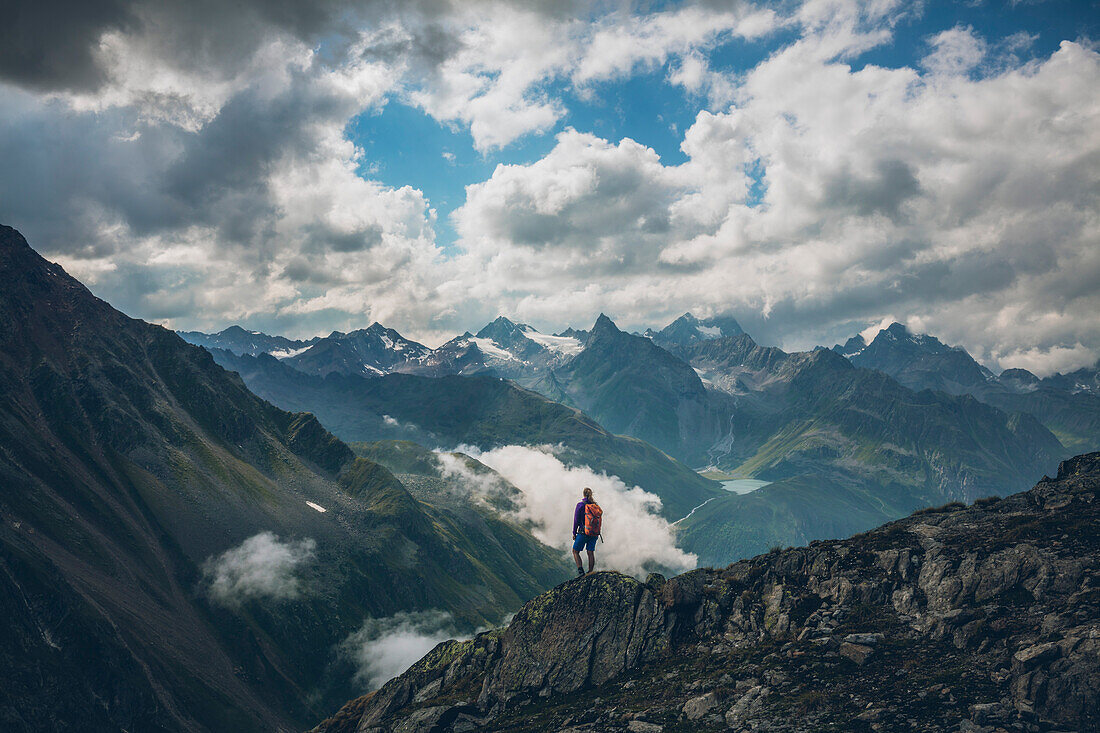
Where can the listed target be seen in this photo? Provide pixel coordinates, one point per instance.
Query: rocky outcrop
(972, 618)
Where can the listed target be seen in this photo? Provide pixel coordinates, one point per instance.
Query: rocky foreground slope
(959, 618)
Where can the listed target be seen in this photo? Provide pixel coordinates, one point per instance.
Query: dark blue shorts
(584, 542)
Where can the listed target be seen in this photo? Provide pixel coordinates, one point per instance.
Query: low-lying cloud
(262, 566)
(637, 538)
(385, 647)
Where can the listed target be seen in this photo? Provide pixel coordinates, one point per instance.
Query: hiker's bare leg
(591, 560)
(577, 557)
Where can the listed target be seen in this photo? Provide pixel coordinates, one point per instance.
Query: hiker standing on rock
(587, 518)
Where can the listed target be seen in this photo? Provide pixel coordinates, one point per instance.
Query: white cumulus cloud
(261, 567)
(636, 538)
(385, 647)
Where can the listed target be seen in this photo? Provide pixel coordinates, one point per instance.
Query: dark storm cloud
(49, 44)
(52, 44)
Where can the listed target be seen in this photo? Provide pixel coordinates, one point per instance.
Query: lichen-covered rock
(585, 632)
(697, 707)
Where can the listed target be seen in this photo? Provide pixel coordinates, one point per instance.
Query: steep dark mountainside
(129, 462)
(634, 387)
(1067, 404)
(482, 411)
(240, 341)
(976, 618)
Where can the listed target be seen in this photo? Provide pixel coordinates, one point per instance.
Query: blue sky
(406, 146)
(814, 168)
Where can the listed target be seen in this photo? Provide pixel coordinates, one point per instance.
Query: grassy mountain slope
(849, 448)
(789, 512)
(479, 517)
(128, 459)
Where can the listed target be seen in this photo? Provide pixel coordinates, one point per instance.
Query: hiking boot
(580, 572)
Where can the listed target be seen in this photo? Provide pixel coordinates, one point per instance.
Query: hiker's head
(587, 493)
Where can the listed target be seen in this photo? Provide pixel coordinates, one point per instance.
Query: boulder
(697, 707)
(858, 653)
(746, 706)
(1034, 656)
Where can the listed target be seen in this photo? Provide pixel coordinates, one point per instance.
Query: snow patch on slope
(489, 348)
(566, 345)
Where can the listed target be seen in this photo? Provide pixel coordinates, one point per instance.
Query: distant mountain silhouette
(1068, 404)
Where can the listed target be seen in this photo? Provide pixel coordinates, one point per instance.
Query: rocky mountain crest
(985, 617)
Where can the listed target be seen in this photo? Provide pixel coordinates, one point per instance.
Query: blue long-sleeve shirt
(578, 516)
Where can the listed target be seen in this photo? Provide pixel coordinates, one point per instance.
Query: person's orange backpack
(593, 519)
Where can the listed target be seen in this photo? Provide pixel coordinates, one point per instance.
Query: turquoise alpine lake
(743, 485)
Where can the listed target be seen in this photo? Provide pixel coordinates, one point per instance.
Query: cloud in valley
(637, 538)
(385, 647)
(263, 567)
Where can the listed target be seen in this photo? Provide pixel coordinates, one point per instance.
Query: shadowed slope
(128, 459)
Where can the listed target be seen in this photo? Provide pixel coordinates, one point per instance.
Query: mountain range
(842, 448)
(190, 536)
(481, 411)
(1068, 404)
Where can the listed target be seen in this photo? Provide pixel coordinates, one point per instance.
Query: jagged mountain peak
(687, 318)
(14, 245)
(852, 347)
(502, 321)
(919, 361)
(688, 329)
(1022, 376)
(504, 329)
(369, 351)
(604, 325)
(900, 334)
